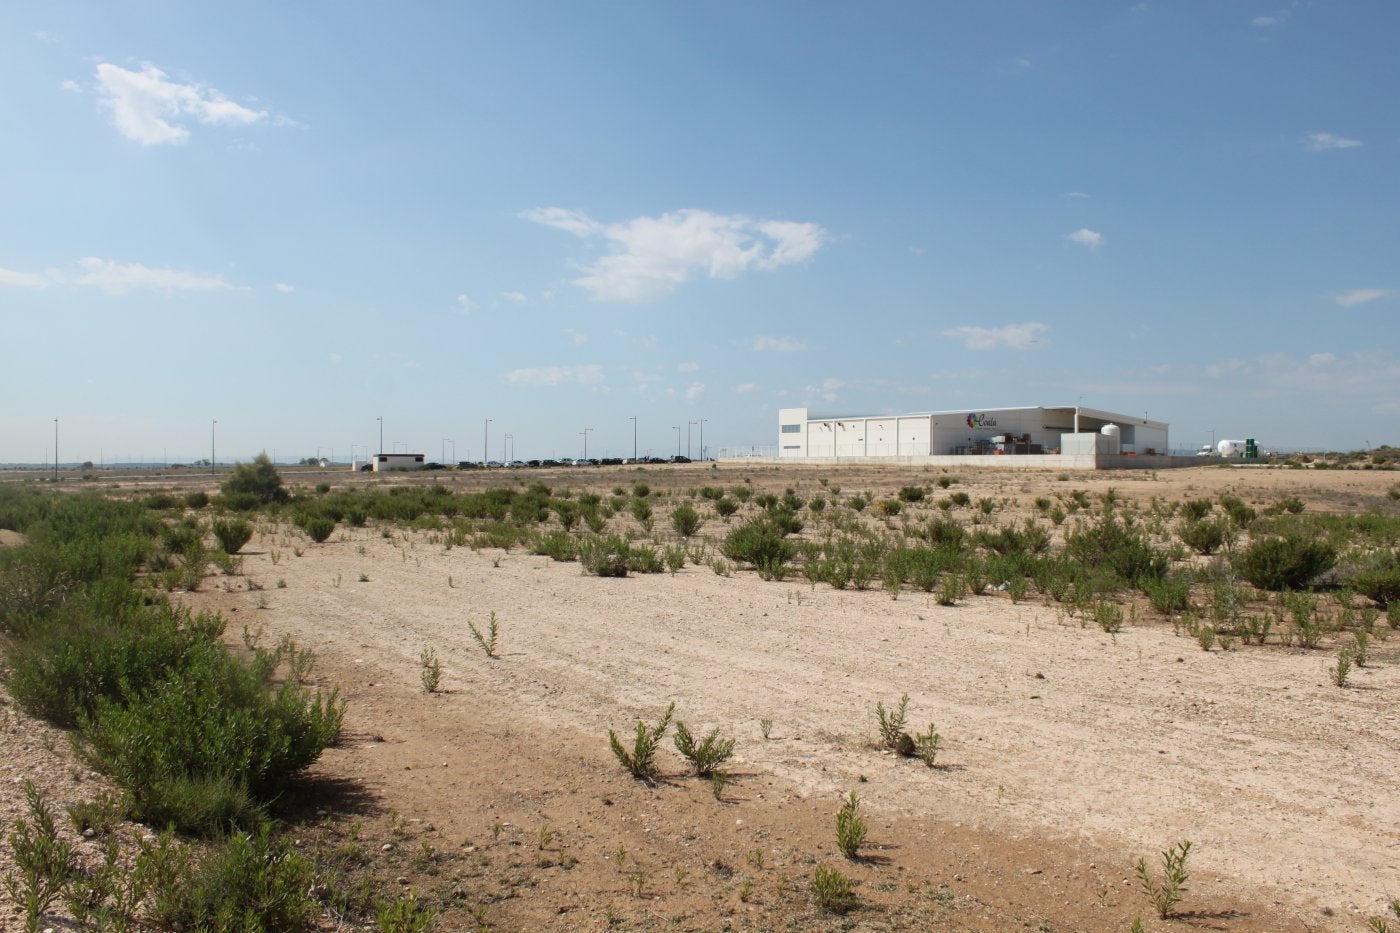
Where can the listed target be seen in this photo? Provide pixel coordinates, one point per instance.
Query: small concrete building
(383, 462)
(1050, 437)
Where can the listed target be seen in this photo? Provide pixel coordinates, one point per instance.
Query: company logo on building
(975, 420)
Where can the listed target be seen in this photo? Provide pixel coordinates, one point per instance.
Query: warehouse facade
(1043, 434)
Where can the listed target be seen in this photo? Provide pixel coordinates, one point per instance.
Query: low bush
(761, 543)
(640, 762)
(1285, 563)
(685, 520)
(232, 535)
(1379, 581)
(1203, 536)
(706, 755)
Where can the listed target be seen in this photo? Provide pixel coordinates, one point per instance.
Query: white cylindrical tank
(1230, 448)
(1112, 435)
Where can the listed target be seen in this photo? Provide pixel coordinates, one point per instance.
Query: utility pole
(688, 426)
(678, 439)
(702, 437)
(212, 459)
(633, 419)
(55, 450)
(380, 419)
(485, 442)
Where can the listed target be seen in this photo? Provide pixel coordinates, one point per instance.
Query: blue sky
(298, 218)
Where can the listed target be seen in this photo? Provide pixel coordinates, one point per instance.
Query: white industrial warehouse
(1072, 437)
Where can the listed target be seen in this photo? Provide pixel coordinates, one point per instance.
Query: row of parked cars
(566, 462)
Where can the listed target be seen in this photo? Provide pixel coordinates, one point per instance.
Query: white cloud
(464, 304)
(334, 357)
(1009, 336)
(1359, 296)
(1086, 237)
(1373, 374)
(284, 287)
(829, 390)
(1320, 142)
(775, 344)
(694, 391)
(746, 388)
(1076, 195)
(516, 297)
(652, 256)
(575, 336)
(590, 374)
(117, 277)
(72, 86)
(688, 368)
(22, 279)
(148, 108)
(1264, 22)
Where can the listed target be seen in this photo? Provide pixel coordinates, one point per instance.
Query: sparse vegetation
(640, 762)
(1166, 894)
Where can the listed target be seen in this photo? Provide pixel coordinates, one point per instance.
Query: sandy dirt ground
(1067, 753)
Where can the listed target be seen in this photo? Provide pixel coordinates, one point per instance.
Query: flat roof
(1095, 413)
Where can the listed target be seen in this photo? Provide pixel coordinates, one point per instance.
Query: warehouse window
(792, 429)
(792, 447)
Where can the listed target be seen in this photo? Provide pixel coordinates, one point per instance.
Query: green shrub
(317, 527)
(604, 555)
(960, 499)
(911, 493)
(1196, 509)
(1168, 594)
(641, 761)
(832, 890)
(1110, 545)
(1379, 581)
(685, 520)
(1241, 514)
(891, 723)
(706, 755)
(1165, 896)
(1201, 536)
(850, 828)
(196, 500)
(726, 507)
(556, 545)
(1285, 563)
(888, 507)
(204, 746)
(258, 479)
(253, 883)
(232, 535)
(759, 542)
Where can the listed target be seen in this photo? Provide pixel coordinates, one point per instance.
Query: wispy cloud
(1075, 195)
(513, 297)
(589, 374)
(1368, 374)
(688, 368)
(149, 108)
(71, 86)
(464, 304)
(1009, 336)
(746, 388)
(1086, 237)
(22, 279)
(578, 338)
(653, 256)
(1321, 142)
(285, 288)
(117, 277)
(767, 344)
(334, 357)
(829, 390)
(1359, 296)
(694, 391)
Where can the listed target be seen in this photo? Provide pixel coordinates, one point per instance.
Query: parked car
(366, 467)
(679, 459)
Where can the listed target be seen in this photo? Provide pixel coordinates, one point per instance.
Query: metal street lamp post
(584, 432)
(212, 459)
(380, 419)
(55, 450)
(702, 438)
(485, 441)
(688, 426)
(678, 439)
(633, 419)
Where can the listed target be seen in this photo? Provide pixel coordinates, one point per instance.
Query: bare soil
(1067, 753)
